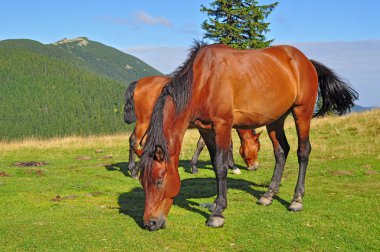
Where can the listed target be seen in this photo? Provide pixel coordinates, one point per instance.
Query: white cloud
(145, 18)
(139, 18)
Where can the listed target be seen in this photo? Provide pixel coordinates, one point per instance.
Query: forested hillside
(106, 60)
(46, 90)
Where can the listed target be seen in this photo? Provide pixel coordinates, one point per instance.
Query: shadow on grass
(203, 165)
(132, 203)
(123, 166)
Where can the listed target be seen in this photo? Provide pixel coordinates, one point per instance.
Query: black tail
(334, 94)
(129, 107)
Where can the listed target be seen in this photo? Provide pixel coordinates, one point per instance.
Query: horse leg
(200, 145)
(131, 164)
(231, 162)
(302, 118)
(281, 149)
(219, 147)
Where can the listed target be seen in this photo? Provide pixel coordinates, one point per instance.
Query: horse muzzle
(253, 167)
(155, 224)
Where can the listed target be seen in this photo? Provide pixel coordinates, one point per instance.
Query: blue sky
(341, 34)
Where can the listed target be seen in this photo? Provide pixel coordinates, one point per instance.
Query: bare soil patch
(108, 157)
(37, 172)
(371, 172)
(342, 173)
(4, 174)
(83, 158)
(31, 163)
(59, 198)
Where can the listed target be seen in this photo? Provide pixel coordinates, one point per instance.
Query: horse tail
(129, 107)
(334, 94)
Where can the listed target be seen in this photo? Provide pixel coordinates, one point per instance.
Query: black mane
(182, 79)
(179, 88)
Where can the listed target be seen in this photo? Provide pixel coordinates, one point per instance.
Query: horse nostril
(155, 224)
(150, 224)
(253, 167)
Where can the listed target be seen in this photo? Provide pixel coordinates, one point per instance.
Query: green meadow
(83, 199)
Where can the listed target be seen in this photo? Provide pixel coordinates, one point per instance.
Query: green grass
(101, 207)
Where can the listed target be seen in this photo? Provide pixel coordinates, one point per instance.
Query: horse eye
(159, 182)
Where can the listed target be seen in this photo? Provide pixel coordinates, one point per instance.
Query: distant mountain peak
(81, 41)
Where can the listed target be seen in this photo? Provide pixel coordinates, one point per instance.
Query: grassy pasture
(84, 199)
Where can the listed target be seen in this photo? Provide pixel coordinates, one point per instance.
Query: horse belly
(249, 119)
(259, 105)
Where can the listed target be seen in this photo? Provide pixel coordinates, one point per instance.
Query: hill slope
(106, 60)
(94, 56)
(46, 90)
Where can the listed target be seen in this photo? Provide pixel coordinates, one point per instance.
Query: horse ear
(158, 154)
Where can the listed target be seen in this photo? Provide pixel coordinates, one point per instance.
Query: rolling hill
(72, 87)
(106, 60)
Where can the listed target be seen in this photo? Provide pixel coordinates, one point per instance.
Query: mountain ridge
(48, 91)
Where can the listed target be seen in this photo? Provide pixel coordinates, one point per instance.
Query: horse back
(254, 87)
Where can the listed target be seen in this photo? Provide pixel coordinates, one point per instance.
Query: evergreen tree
(238, 23)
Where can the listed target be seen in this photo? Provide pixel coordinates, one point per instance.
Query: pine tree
(238, 23)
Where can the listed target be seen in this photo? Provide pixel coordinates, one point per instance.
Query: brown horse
(230, 88)
(249, 148)
(141, 96)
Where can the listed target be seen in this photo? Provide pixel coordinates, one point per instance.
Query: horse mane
(182, 78)
(179, 88)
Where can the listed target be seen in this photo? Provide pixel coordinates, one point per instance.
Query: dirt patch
(108, 157)
(367, 166)
(371, 172)
(31, 163)
(342, 173)
(37, 172)
(81, 158)
(94, 194)
(103, 165)
(59, 198)
(4, 174)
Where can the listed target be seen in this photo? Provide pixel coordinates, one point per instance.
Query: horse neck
(245, 134)
(175, 126)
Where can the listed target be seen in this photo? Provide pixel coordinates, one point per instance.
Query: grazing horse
(249, 148)
(140, 98)
(242, 89)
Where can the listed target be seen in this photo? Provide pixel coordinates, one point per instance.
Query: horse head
(249, 148)
(161, 183)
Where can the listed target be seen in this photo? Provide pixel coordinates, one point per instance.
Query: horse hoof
(295, 206)
(236, 171)
(215, 222)
(194, 170)
(264, 201)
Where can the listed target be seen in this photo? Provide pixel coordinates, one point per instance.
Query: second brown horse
(140, 99)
